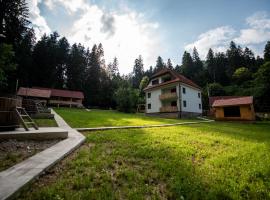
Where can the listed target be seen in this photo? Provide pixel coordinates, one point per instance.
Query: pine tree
(159, 64)
(187, 65)
(169, 64)
(138, 72)
(210, 64)
(266, 55)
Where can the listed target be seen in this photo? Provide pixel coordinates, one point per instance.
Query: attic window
(155, 82)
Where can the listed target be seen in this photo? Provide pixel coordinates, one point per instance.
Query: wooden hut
(239, 108)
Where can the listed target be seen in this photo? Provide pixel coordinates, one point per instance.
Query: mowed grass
(201, 161)
(80, 118)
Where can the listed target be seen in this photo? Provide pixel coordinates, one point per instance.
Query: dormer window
(155, 82)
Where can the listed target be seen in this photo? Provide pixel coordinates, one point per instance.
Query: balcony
(167, 96)
(168, 109)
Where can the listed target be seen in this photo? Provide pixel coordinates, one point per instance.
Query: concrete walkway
(15, 178)
(145, 126)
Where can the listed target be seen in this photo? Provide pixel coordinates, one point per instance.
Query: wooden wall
(246, 112)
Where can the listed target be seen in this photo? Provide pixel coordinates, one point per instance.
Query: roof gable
(176, 77)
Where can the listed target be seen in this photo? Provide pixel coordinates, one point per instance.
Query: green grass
(45, 122)
(201, 161)
(79, 118)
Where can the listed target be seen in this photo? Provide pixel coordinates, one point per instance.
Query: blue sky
(127, 28)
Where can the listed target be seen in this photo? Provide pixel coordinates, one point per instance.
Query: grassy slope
(96, 118)
(210, 161)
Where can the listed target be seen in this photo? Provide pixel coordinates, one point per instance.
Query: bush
(126, 99)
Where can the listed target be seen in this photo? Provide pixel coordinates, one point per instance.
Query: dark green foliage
(215, 89)
(126, 98)
(169, 64)
(6, 62)
(241, 74)
(159, 64)
(137, 72)
(267, 52)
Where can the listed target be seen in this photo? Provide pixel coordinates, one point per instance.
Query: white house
(170, 94)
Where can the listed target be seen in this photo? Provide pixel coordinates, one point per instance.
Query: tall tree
(210, 64)
(159, 64)
(169, 64)
(76, 67)
(235, 58)
(187, 65)
(138, 72)
(266, 54)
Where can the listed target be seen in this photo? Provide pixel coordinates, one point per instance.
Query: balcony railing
(168, 109)
(168, 95)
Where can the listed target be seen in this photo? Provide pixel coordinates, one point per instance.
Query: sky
(152, 28)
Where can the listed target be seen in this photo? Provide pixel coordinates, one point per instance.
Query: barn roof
(48, 92)
(34, 92)
(176, 78)
(213, 98)
(64, 93)
(233, 101)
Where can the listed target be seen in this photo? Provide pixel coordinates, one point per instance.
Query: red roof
(233, 101)
(67, 93)
(34, 92)
(212, 99)
(176, 78)
(48, 92)
(64, 93)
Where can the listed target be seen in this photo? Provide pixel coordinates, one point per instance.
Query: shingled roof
(176, 78)
(34, 92)
(48, 92)
(233, 101)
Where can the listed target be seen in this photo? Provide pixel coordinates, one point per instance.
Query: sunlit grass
(202, 161)
(80, 118)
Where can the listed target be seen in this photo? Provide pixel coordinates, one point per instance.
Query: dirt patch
(14, 151)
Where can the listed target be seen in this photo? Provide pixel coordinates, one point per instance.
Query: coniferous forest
(53, 62)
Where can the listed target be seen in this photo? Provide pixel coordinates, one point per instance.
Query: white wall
(192, 99)
(154, 101)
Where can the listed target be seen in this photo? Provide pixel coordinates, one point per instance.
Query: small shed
(239, 108)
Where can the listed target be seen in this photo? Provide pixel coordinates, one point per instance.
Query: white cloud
(257, 32)
(125, 34)
(39, 23)
(217, 39)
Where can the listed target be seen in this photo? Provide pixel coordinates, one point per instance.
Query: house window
(149, 106)
(149, 95)
(199, 95)
(184, 90)
(174, 103)
(155, 82)
(184, 103)
(200, 106)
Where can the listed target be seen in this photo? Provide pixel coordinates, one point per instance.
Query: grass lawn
(79, 118)
(201, 161)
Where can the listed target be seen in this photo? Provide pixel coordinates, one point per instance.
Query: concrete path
(145, 126)
(15, 178)
(42, 133)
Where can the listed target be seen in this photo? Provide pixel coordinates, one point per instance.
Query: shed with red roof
(234, 108)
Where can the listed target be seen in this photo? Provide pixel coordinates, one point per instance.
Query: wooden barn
(238, 108)
(54, 97)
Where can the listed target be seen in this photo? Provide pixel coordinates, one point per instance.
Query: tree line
(53, 62)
